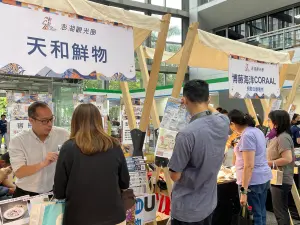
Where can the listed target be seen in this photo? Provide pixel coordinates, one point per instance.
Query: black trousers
(20, 192)
(280, 196)
(207, 221)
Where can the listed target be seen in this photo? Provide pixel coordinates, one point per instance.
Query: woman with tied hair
(281, 155)
(253, 172)
(91, 172)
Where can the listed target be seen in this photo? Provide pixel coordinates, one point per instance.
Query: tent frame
(187, 48)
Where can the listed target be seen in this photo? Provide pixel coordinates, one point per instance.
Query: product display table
(228, 203)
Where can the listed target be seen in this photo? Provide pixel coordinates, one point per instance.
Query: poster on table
(252, 79)
(126, 136)
(64, 45)
(145, 209)
(17, 110)
(100, 101)
(276, 105)
(15, 211)
(138, 175)
(175, 118)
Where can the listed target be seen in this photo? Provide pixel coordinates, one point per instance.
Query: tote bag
(47, 213)
(277, 175)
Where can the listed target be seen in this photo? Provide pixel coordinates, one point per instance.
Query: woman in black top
(91, 172)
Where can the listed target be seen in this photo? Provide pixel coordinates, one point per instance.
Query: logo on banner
(145, 209)
(47, 24)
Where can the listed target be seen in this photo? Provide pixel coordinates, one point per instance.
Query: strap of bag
(275, 166)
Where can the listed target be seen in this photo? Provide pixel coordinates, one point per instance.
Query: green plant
(3, 105)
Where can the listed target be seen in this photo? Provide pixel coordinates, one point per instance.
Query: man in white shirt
(34, 153)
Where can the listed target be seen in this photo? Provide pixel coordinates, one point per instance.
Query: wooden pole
(282, 78)
(159, 51)
(185, 58)
(251, 110)
(128, 105)
(145, 76)
(293, 91)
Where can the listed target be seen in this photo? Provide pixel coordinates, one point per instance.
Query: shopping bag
(47, 213)
(243, 218)
(277, 175)
(37, 212)
(53, 214)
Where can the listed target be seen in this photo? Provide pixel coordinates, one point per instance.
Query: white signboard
(17, 126)
(63, 45)
(145, 209)
(249, 79)
(276, 105)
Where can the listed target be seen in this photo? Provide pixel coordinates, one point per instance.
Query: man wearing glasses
(34, 153)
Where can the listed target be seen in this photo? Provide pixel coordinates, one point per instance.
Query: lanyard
(199, 115)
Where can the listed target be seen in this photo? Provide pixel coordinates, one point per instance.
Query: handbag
(128, 198)
(243, 218)
(277, 175)
(47, 213)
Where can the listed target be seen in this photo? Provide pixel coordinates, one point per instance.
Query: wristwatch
(244, 191)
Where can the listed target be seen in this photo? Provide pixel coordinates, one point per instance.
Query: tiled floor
(272, 221)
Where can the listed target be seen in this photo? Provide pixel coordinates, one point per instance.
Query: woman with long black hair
(281, 155)
(253, 172)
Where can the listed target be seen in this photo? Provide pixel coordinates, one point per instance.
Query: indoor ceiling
(231, 11)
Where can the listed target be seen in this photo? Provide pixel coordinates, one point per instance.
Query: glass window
(139, 1)
(256, 27)
(154, 34)
(93, 84)
(175, 30)
(297, 15)
(158, 2)
(221, 33)
(138, 83)
(161, 79)
(170, 78)
(201, 2)
(139, 12)
(173, 47)
(174, 33)
(281, 20)
(175, 4)
(237, 32)
(114, 85)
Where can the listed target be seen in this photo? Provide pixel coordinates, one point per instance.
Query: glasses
(45, 121)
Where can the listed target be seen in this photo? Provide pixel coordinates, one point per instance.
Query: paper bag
(47, 213)
(277, 175)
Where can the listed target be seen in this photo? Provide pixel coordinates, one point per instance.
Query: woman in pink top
(253, 172)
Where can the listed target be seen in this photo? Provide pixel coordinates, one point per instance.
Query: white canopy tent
(212, 51)
(142, 24)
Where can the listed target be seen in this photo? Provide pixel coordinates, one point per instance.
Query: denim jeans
(257, 198)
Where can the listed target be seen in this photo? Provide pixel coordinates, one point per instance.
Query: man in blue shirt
(197, 158)
(3, 130)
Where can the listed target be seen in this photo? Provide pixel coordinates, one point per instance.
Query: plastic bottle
(250, 213)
